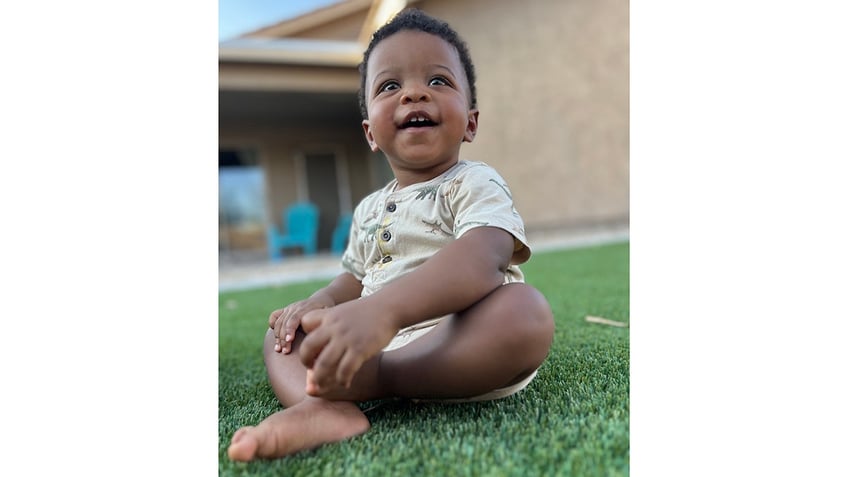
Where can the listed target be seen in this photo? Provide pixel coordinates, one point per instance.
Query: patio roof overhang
(288, 80)
(293, 51)
(269, 78)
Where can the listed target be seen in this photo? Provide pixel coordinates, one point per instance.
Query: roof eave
(310, 19)
(291, 51)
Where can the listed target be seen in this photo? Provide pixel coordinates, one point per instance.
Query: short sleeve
(353, 259)
(480, 197)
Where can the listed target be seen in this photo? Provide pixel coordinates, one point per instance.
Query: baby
(431, 304)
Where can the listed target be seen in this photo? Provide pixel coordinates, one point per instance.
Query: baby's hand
(285, 322)
(339, 340)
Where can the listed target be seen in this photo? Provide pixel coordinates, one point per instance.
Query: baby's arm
(285, 321)
(462, 273)
(456, 277)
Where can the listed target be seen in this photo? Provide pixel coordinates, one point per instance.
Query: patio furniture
(300, 222)
(341, 234)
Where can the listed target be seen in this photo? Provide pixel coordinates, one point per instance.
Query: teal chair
(341, 234)
(301, 230)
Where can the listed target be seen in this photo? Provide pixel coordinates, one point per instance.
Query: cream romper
(394, 231)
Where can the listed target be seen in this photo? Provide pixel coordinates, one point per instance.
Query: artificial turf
(573, 419)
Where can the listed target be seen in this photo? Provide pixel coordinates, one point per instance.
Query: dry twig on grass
(604, 321)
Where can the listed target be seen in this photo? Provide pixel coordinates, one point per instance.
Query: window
(241, 204)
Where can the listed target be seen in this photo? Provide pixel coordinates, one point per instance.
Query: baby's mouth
(417, 121)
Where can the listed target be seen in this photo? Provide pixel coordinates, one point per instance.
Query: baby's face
(418, 101)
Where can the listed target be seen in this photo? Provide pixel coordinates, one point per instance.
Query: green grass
(573, 419)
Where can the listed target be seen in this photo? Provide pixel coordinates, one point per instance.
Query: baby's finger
(311, 346)
(311, 387)
(312, 320)
(287, 345)
(348, 365)
(326, 364)
(272, 320)
(290, 328)
(279, 326)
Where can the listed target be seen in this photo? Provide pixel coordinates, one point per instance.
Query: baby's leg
(307, 422)
(497, 342)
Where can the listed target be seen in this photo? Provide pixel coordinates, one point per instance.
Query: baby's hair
(416, 20)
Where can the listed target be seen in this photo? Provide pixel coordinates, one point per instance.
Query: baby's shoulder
(474, 175)
(475, 168)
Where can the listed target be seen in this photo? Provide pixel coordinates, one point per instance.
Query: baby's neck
(406, 178)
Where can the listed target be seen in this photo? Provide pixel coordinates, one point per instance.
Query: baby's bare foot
(306, 425)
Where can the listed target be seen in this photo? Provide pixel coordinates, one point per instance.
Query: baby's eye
(438, 81)
(388, 86)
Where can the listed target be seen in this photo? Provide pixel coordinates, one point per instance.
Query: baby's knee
(526, 314)
(531, 304)
(269, 342)
(528, 323)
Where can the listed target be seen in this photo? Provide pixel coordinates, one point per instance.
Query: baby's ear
(369, 136)
(471, 127)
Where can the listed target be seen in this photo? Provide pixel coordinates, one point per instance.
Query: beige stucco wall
(553, 92)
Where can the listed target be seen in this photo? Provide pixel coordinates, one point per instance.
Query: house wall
(553, 93)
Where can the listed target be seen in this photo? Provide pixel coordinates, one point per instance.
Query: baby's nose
(414, 94)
